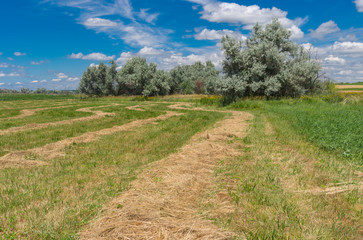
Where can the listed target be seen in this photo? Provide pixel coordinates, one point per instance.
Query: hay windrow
(52, 150)
(163, 202)
(96, 115)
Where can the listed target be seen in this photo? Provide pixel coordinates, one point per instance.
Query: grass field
(295, 174)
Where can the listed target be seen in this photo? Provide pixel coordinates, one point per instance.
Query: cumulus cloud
(99, 22)
(207, 34)
(37, 63)
(1, 53)
(72, 79)
(149, 51)
(43, 81)
(61, 75)
(223, 12)
(342, 61)
(18, 83)
(325, 29)
(35, 81)
(92, 56)
(56, 80)
(13, 74)
(124, 57)
(2, 83)
(347, 38)
(333, 59)
(359, 5)
(4, 65)
(18, 54)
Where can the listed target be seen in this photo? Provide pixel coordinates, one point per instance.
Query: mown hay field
(68, 165)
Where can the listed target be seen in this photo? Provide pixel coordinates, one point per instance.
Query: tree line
(267, 64)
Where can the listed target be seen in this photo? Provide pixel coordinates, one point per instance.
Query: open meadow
(179, 167)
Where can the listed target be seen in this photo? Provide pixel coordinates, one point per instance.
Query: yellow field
(348, 86)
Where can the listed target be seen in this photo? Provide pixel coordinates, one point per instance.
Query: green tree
(268, 64)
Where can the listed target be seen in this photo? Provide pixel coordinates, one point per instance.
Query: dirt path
(97, 114)
(163, 202)
(52, 150)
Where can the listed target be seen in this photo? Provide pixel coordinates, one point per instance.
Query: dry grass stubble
(163, 202)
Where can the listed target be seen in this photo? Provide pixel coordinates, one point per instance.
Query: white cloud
(221, 12)
(61, 75)
(149, 51)
(18, 83)
(10, 58)
(19, 54)
(56, 80)
(333, 59)
(124, 57)
(207, 34)
(43, 81)
(1, 53)
(72, 79)
(345, 72)
(348, 38)
(99, 22)
(37, 63)
(13, 74)
(4, 65)
(359, 5)
(92, 56)
(2, 74)
(354, 49)
(144, 15)
(35, 81)
(2, 83)
(134, 33)
(325, 29)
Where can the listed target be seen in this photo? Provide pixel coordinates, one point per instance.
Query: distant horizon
(48, 44)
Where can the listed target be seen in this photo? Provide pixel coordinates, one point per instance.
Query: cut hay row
(96, 115)
(348, 86)
(29, 112)
(163, 202)
(52, 150)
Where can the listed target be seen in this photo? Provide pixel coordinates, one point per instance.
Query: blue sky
(49, 43)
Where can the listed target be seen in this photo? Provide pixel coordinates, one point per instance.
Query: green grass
(357, 83)
(332, 126)
(349, 89)
(56, 201)
(263, 184)
(15, 97)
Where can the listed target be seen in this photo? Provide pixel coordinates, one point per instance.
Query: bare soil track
(163, 202)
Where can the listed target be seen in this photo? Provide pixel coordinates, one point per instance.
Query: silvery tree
(267, 64)
(137, 77)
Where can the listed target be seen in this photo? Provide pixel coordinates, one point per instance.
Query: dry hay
(29, 112)
(338, 188)
(348, 86)
(163, 202)
(97, 114)
(53, 150)
(137, 108)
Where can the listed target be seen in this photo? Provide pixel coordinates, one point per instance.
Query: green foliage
(268, 64)
(196, 78)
